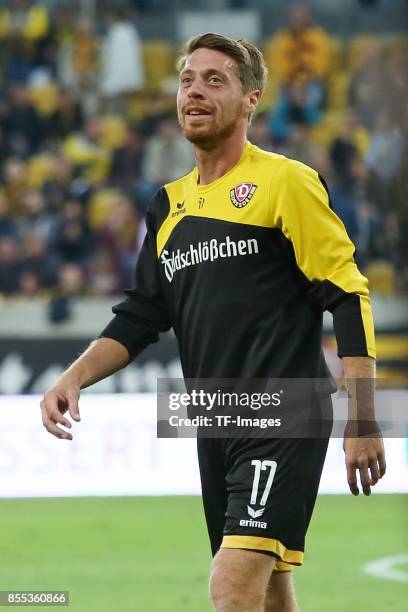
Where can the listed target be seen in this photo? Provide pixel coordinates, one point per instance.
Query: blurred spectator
(22, 124)
(78, 57)
(10, 266)
(118, 237)
(393, 241)
(122, 63)
(26, 29)
(68, 117)
(38, 262)
(3, 143)
(168, 155)
(26, 19)
(396, 70)
(8, 225)
(344, 156)
(302, 51)
(39, 169)
(370, 244)
(14, 180)
(103, 275)
(29, 284)
(18, 62)
(319, 160)
(35, 217)
(300, 57)
(71, 237)
(71, 280)
(299, 145)
(352, 129)
(384, 159)
(258, 132)
(369, 87)
(350, 198)
(86, 151)
(386, 147)
(71, 283)
(84, 53)
(127, 160)
(294, 109)
(350, 143)
(58, 185)
(159, 107)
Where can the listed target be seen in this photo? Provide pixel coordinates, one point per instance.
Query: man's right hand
(102, 358)
(55, 403)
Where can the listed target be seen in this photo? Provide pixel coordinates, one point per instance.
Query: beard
(209, 136)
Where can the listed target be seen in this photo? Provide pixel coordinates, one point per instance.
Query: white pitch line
(385, 568)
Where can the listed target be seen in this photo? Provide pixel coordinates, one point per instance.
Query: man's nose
(195, 90)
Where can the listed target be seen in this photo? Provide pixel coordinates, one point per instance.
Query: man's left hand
(368, 457)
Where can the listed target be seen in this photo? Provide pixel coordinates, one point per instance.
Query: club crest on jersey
(242, 194)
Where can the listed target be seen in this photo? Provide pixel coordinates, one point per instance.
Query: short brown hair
(252, 70)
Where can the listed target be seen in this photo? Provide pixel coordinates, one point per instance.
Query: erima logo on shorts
(208, 250)
(252, 523)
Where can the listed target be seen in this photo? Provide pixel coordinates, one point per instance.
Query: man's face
(299, 18)
(211, 103)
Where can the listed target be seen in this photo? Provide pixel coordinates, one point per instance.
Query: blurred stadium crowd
(88, 132)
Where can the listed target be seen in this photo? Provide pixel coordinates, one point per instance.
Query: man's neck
(214, 163)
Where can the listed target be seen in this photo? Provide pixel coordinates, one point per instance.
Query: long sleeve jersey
(242, 269)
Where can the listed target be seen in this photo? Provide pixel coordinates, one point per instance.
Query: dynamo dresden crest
(241, 194)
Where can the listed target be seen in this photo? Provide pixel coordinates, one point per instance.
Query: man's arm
(362, 452)
(101, 359)
(137, 323)
(325, 255)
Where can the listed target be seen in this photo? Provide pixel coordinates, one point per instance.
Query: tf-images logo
(242, 194)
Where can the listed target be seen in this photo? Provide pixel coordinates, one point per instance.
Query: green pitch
(151, 554)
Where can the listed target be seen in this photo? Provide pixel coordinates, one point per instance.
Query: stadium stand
(75, 179)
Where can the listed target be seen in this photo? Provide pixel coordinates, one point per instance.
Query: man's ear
(253, 100)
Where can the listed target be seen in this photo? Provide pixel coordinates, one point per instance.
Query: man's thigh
(239, 570)
(280, 593)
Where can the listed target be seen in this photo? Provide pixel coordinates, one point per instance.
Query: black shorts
(259, 494)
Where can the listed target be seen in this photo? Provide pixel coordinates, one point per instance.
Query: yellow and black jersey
(242, 269)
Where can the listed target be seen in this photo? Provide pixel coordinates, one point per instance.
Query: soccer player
(241, 258)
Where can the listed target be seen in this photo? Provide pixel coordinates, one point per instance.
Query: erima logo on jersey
(252, 523)
(180, 209)
(208, 250)
(242, 194)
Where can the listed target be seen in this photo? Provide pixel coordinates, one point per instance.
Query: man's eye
(186, 80)
(215, 79)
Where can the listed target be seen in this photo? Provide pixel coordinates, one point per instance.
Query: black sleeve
(139, 319)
